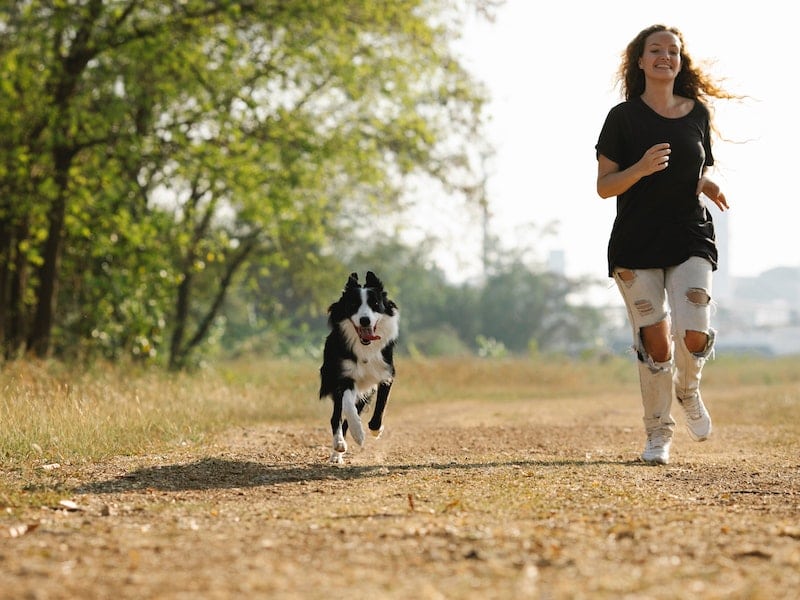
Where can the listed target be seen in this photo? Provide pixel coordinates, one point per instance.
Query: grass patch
(51, 413)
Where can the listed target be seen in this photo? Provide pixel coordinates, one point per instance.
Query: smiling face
(661, 58)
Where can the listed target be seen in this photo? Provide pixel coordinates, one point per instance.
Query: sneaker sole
(698, 438)
(654, 461)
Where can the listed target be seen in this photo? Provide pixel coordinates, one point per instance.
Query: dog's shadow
(220, 473)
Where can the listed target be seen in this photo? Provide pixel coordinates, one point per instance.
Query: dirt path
(537, 499)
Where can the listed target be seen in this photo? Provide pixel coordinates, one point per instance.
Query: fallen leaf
(69, 505)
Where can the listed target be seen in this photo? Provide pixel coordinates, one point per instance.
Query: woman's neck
(660, 97)
(663, 101)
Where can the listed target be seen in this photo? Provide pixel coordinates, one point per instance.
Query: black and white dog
(358, 359)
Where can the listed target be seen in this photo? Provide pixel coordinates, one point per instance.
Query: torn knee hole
(698, 296)
(696, 341)
(626, 275)
(643, 307)
(655, 342)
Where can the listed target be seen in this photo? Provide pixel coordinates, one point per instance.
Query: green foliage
(161, 157)
(490, 347)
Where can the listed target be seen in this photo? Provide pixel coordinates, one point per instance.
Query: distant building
(765, 315)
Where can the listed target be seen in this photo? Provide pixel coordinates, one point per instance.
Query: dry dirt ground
(539, 499)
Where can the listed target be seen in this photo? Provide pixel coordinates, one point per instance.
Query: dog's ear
(352, 281)
(373, 281)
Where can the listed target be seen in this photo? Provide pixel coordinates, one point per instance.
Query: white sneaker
(656, 450)
(698, 422)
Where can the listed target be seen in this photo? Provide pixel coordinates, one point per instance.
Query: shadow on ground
(218, 473)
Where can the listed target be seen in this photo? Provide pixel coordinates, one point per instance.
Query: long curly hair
(691, 82)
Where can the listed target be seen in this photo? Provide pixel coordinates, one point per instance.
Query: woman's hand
(712, 191)
(655, 159)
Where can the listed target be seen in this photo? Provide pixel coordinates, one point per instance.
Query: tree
(190, 137)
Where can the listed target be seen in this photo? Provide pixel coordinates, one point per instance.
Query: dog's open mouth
(367, 335)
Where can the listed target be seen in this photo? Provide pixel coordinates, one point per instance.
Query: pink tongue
(366, 334)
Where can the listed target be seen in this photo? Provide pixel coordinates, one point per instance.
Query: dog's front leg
(376, 422)
(339, 445)
(352, 416)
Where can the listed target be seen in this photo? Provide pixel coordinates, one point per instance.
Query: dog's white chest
(367, 371)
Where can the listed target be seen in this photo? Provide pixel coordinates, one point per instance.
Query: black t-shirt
(661, 221)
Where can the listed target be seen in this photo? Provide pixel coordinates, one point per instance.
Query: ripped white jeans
(681, 294)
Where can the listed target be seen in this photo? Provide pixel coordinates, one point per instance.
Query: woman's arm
(613, 182)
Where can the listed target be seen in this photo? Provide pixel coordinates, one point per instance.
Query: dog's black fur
(358, 359)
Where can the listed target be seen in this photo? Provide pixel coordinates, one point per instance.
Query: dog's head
(365, 310)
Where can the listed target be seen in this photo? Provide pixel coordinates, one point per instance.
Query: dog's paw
(339, 445)
(376, 433)
(337, 458)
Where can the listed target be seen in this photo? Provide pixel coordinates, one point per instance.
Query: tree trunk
(176, 355)
(41, 328)
(179, 352)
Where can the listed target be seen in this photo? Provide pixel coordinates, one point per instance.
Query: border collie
(358, 359)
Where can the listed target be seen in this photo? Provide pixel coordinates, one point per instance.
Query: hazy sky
(550, 69)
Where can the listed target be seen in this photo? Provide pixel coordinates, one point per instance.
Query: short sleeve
(610, 142)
